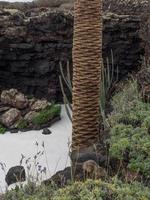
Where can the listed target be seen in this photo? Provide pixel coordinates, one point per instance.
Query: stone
(21, 101)
(4, 109)
(30, 115)
(92, 170)
(143, 81)
(67, 6)
(61, 178)
(64, 177)
(42, 66)
(10, 117)
(15, 174)
(31, 101)
(14, 98)
(30, 52)
(139, 8)
(95, 152)
(46, 131)
(39, 105)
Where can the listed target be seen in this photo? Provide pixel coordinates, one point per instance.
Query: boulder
(67, 6)
(10, 117)
(39, 105)
(46, 131)
(15, 174)
(14, 98)
(3, 109)
(31, 101)
(30, 115)
(143, 81)
(64, 177)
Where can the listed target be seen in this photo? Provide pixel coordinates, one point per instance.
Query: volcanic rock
(10, 117)
(39, 105)
(30, 115)
(14, 98)
(46, 131)
(15, 174)
(32, 48)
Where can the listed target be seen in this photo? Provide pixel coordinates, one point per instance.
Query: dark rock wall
(140, 8)
(33, 44)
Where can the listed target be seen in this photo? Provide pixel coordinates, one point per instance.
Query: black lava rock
(46, 131)
(15, 174)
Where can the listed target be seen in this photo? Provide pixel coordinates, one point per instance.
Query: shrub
(89, 190)
(2, 129)
(128, 107)
(146, 123)
(30, 192)
(47, 114)
(130, 126)
(101, 190)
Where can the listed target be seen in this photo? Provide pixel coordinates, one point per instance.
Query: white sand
(56, 145)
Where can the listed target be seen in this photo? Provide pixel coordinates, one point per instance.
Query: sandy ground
(56, 149)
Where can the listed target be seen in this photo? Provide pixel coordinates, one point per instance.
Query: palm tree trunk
(87, 61)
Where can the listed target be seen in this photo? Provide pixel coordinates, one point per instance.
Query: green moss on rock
(2, 129)
(22, 124)
(47, 114)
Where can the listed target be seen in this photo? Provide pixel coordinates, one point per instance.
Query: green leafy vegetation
(47, 114)
(2, 129)
(130, 129)
(102, 190)
(30, 192)
(22, 124)
(89, 190)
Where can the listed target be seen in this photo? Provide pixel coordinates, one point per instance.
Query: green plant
(30, 192)
(89, 190)
(47, 114)
(128, 107)
(68, 83)
(146, 123)
(2, 129)
(109, 79)
(22, 124)
(115, 190)
(129, 132)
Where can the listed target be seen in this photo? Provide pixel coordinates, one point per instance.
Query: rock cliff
(33, 42)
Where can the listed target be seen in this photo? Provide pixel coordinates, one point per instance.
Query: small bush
(130, 126)
(47, 114)
(101, 190)
(146, 123)
(30, 192)
(89, 190)
(2, 129)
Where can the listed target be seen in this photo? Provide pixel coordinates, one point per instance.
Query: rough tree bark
(87, 61)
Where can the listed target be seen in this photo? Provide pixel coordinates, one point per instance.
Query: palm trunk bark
(87, 66)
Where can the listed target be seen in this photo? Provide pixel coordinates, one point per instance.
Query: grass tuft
(2, 129)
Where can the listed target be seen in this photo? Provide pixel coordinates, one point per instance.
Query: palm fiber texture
(87, 61)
